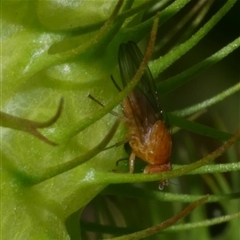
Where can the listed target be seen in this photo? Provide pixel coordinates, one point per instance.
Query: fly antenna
(102, 105)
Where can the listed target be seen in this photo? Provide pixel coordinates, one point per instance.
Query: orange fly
(147, 134)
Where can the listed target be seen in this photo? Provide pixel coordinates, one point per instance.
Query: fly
(147, 134)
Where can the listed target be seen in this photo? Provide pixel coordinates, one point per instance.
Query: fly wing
(145, 94)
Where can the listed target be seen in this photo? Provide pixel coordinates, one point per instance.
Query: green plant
(47, 54)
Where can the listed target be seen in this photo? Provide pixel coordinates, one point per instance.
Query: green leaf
(47, 54)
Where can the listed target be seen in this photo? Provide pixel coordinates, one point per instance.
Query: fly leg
(116, 144)
(131, 162)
